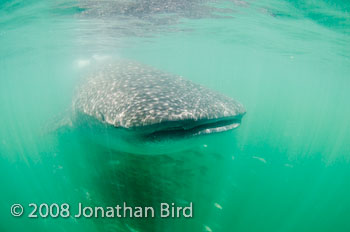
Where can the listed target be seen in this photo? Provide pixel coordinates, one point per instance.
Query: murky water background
(285, 169)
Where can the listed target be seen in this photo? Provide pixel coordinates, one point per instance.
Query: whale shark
(126, 105)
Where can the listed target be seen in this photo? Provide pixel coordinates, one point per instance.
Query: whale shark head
(126, 100)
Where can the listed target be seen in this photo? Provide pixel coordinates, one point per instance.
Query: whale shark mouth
(190, 128)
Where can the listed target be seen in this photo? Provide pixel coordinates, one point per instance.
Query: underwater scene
(174, 115)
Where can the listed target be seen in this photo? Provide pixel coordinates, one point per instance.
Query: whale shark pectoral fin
(59, 123)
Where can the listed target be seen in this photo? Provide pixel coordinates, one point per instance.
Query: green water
(286, 168)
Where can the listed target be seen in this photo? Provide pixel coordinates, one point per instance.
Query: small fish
(260, 159)
(207, 228)
(217, 205)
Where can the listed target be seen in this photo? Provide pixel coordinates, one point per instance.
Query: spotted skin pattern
(129, 95)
